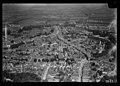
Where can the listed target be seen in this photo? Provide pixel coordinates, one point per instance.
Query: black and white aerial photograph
(45, 42)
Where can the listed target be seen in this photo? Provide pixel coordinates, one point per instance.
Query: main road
(60, 37)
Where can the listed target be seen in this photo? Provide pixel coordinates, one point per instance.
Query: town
(59, 48)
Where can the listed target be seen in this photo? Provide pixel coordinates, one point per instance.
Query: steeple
(6, 33)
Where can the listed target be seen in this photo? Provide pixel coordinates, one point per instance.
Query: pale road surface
(46, 72)
(81, 69)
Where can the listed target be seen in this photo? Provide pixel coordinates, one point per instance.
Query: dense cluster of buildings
(32, 51)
